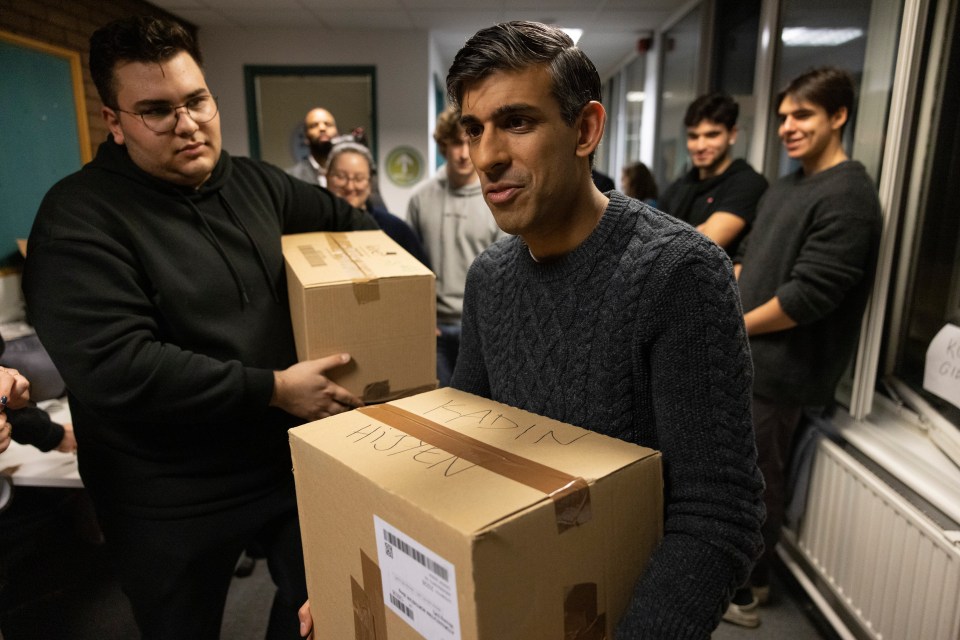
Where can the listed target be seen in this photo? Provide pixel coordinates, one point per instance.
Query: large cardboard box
(448, 516)
(360, 293)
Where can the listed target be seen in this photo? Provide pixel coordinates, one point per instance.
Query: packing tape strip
(580, 618)
(366, 286)
(369, 613)
(570, 494)
(380, 391)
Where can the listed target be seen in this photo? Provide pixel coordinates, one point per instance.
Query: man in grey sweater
(805, 272)
(453, 222)
(605, 313)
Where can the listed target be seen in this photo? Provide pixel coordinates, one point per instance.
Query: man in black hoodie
(718, 195)
(155, 280)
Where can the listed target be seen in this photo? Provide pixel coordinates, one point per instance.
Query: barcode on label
(440, 571)
(407, 611)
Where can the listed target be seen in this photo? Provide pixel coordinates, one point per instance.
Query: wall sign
(404, 166)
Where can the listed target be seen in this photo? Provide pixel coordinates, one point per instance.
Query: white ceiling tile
(275, 18)
(353, 20)
(611, 27)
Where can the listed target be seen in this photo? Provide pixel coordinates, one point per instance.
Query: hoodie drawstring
(256, 249)
(212, 237)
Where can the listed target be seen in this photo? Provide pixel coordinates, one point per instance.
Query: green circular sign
(404, 166)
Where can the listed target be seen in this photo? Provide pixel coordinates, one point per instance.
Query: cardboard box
(360, 293)
(448, 516)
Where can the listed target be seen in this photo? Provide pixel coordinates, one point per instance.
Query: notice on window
(941, 375)
(418, 585)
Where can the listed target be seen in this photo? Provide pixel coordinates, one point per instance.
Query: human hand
(14, 389)
(306, 621)
(69, 443)
(4, 432)
(14, 394)
(302, 389)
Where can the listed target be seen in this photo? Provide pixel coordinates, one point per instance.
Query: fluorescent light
(804, 37)
(635, 96)
(573, 33)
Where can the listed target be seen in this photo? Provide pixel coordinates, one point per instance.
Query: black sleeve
(31, 425)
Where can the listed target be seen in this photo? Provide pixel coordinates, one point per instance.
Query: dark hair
(135, 39)
(515, 45)
(827, 87)
(715, 107)
(641, 182)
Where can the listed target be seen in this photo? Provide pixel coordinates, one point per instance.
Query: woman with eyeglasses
(350, 175)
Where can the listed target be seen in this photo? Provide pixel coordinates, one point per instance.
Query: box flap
(354, 256)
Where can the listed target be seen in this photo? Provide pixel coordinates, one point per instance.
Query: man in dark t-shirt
(719, 194)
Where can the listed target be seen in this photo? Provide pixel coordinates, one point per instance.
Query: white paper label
(418, 585)
(941, 375)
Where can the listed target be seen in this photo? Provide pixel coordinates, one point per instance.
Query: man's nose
(488, 153)
(185, 122)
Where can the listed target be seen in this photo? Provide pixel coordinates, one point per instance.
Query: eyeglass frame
(348, 179)
(176, 111)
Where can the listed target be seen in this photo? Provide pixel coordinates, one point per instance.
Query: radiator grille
(896, 572)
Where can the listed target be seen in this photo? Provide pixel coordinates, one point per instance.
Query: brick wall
(69, 24)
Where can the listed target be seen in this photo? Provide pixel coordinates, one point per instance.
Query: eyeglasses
(342, 178)
(164, 117)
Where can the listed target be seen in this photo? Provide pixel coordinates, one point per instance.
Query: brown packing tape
(366, 286)
(373, 585)
(363, 628)
(380, 392)
(366, 292)
(580, 619)
(570, 494)
(369, 615)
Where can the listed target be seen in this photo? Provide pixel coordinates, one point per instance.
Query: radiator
(894, 571)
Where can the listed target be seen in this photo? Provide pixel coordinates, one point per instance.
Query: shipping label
(418, 585)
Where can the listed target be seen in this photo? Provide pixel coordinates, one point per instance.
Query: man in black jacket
(155, 280)
(718, 195)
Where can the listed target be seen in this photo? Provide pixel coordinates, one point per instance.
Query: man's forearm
(767, 318)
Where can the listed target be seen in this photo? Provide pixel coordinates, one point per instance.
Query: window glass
(817, 33)
(635, 78)
(736, 29)
(608, 92)
(931, 290)
(681, 66)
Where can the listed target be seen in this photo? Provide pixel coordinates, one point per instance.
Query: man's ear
(112, 118)
(590, 125)
(839, 118)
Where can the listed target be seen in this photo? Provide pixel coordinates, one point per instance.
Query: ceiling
(611, 28)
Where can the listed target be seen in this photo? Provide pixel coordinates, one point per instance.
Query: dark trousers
(56, 579)
(774, 425)
(176, 573)
(448, 346)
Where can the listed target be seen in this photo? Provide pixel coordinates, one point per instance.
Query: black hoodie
(165, 310)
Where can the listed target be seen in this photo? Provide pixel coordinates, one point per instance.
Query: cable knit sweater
(637, 334)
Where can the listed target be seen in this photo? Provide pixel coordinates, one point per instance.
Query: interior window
(927, 297)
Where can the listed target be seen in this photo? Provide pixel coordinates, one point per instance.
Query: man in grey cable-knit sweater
(805, 274)
(607, 314)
